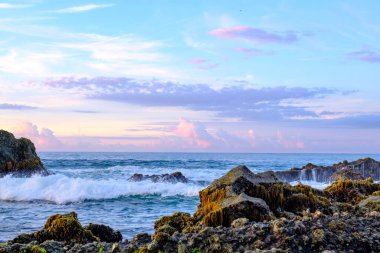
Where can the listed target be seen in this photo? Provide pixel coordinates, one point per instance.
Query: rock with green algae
(243, 194)
(59, 227)
(18, 156)
(104, 233)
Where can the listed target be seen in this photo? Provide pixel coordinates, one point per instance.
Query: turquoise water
(96, 186)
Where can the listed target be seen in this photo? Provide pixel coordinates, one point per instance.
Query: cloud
(197, 61)
(366, 55)
(44, 139)
(13, 6)
(203, 63)
(255, 35)
(16, 107)
(250, 52)
(194, 133)
(236, 101)
(84, 8)
(289, 142)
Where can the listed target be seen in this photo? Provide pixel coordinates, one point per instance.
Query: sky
(192, 76)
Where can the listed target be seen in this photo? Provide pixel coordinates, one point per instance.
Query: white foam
(62, 189)
(314, 184)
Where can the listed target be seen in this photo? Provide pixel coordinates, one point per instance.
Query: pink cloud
(197, 61)
(255, 35)
(365, 55)
(289, 143)
(194, 133)
(43, 139)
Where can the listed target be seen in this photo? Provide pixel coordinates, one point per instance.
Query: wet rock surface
(18, 157)
(239, 212)
(356, 170)
(176, 177)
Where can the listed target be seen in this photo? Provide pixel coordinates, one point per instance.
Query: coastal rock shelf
(18, 156)
(362, 168)
(239, 212)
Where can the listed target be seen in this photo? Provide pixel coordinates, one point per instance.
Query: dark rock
(18, 156)
(176, 177)
(104, 233)
(345, 174)
(366, 167)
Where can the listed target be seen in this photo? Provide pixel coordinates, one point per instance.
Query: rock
(18, 156)
(346, 174)
(176, 177)
(240, 222)
(370, 200)
(366, 167)
(351, 191)
(104, 233)
(60, 227)
(53, 246)
(262, 194)
(178, 221)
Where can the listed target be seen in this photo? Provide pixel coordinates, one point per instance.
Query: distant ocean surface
(96, 186)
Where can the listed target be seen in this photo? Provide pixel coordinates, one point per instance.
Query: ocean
(96, 186)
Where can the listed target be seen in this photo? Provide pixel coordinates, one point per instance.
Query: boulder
(176, 177)
(18, 156)
(104, 233)
(60, 227)
(243, 194)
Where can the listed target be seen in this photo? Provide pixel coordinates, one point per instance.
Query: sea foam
(62, 189)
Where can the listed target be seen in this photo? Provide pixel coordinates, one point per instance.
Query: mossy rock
(177, 220)
(36, 249)
(104, 233)
(350, 191)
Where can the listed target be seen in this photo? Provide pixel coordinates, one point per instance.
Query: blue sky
(231, 76)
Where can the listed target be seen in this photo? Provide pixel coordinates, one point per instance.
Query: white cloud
(84, 8)
(12, 6)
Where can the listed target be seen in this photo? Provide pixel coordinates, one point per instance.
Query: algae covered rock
(243, 194)
(18, 156)
(350, 191)
(104, 233)
(59, 227)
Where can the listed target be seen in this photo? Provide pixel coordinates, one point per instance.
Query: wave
(314, 184)
(62, 189)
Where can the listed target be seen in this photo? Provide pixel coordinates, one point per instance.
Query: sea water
(96, 186)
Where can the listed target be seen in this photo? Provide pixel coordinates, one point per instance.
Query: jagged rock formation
(18, 156)
(176, 177)
(239, 212)
(366, 167)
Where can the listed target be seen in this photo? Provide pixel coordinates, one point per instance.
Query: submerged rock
(18, 156)
(176, 177)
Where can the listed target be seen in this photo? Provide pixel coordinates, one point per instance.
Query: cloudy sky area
(207, 76)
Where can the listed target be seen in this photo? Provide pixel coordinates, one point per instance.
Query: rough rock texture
(243, 194)
(366, 167)
(239, 212)
(346, 174)
(104, 233)
(176, 177)
(18, 156)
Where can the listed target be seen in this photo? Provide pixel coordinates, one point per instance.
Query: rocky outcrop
(18, 156)
(257, 197)
(176, 177)
(346, 174)
(366, 168)
(239, 212)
